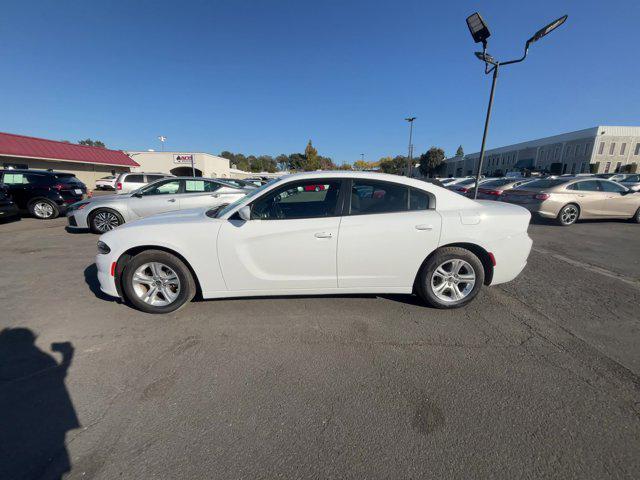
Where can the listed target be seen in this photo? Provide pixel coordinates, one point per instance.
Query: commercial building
(86, 163)
(180, 163)
(601, 149)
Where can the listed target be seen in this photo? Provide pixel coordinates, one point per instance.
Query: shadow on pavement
(36, 411)
(91, 279)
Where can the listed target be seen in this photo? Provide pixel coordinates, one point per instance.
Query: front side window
(304, 199)
(371, 197)
(170, 187)
(611, 187)
(14, 179)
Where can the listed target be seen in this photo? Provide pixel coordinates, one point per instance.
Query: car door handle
(323, 235)
(171, 200)
(215, 195)
(580, 195)
(424, 227)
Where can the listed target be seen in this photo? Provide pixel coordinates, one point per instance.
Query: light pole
(162, 139)
(410, 157)
(480, 33)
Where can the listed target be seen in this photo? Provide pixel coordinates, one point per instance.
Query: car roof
(33, 170)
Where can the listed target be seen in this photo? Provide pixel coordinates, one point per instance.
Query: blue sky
(263, 77)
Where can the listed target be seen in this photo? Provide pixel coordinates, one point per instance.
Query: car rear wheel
(43, 209)
(451, 278)
(155, 281)
(103, 220)
(568, 215)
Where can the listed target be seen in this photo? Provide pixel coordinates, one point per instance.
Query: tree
(91, 143)
(344, 166)
(431, 161)
(395, 165)
(297, 161)
(460, 151)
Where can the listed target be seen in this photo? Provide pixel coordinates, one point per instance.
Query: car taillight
(541, 196)
(491, 192)
(119, 186)
(463, 189)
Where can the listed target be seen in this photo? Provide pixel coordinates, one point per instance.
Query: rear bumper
(511, 254)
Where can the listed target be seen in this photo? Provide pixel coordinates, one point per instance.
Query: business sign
(181, 159)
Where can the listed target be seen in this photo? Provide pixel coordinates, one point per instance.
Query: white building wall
(167, 162)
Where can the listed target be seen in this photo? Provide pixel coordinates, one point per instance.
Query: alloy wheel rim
(569, 215)
(105, 221)
(453, 280)
(43, 210)
(156, 284)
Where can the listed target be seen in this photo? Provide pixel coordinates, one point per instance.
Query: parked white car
(319, 233)
(106, 183)
(104, 213)
(130, 181)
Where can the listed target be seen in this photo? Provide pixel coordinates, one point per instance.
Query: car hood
(171, 218)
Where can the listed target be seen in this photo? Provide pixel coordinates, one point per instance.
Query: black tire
(636, 217)
(43, 209)
(428, 277)
(568, 215)
(99, 218)
(187, 284)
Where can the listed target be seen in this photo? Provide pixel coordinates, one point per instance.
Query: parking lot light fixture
(480, 33)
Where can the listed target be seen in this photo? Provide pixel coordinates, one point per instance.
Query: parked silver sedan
(104, 213)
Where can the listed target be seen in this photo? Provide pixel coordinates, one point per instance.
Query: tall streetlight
(162, 139)
(480, 33)
(410, 157)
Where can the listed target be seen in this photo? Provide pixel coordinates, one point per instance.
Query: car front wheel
(102, 221)
(451, 278)
(43, 209)
(155, 281)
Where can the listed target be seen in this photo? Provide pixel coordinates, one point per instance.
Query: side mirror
(245, 213)
(137, 195)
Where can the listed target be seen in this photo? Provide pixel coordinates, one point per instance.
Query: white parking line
(592, 268)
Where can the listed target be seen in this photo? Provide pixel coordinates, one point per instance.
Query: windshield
(251, 194)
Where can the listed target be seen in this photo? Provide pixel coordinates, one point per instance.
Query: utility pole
(410, 157)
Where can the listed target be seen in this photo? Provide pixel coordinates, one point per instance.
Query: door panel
(279, 254)
(385, 250)
(157, 198)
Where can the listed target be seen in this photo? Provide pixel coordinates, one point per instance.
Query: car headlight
(103, 248)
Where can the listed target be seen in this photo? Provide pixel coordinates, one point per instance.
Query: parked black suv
(43, 193)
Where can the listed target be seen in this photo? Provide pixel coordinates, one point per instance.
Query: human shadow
(36, 411)
(91, 279)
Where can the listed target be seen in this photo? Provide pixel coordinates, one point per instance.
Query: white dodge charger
(319, 233)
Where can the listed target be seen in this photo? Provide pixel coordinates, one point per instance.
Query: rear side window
(67, 179)
(153, 178)
(419, 200)
(545, 183)
(371, 197)
(307, 199)
(197, 186)
(134, 179)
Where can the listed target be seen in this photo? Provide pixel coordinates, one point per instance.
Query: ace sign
(183, 159)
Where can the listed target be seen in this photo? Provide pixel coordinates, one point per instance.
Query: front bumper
(8, 210)
(107, 281)
(77, 219)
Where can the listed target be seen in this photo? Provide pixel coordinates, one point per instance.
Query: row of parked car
(564, 198)
(129, 181)
(47, 194)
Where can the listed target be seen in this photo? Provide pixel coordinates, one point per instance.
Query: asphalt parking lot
(538, 378)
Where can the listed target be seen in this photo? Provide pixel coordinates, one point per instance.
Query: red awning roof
(31, 147)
